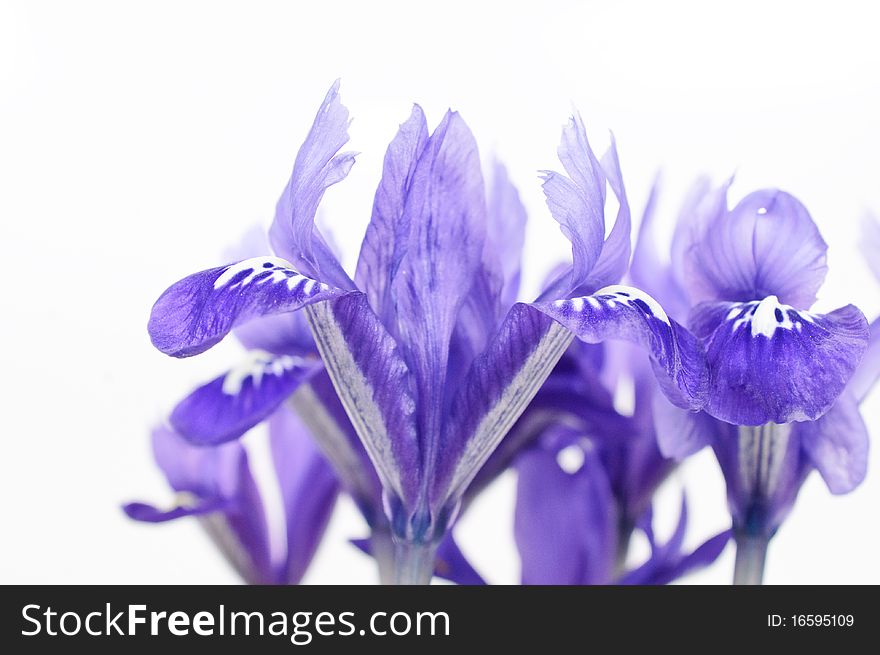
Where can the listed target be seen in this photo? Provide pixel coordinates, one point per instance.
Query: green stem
(751, 553)
(413, 563)
(382, 548)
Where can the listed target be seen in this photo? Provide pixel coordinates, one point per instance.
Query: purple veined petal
(387, 236)
(662, 555)
(614, 259)
(703, 205)
(374, 385)
(318, 406)
(837, 445)
(195, 313)
(769, 362)
(764, 468)
(293, 233)
(500, 384)
(869, 242)
(446, 211)
(565, 524)
(704, 555)
(279, 334)
(220, 475)
(506, 232)
(572, 395)
(767, 245)
(868, 372)
(147, 513)
(577, 202)
(233, 403)
(680, 432)
(629, 314)
(452, 565)
(496, 281)
(308, 487)
(652, 272)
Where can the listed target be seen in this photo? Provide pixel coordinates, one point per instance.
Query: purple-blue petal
(701, 557)
(577, 202)
(195, 313)
(764, 468)
(767, 245)
(293, 233)
(446, 212)
(869, 242)
(219, 477)
(505, 235)
(493, 395)
(680, 432)
(868, 372)
(837, 445)
(565, 524)
(649, 270)
(628, 314)
(452, 565)
(308, 488)
(151, 514)
(375, 387)
(387, 236)
(614, 259)
(233, 403)
(318, 406)
(769, 362)
(279, 334)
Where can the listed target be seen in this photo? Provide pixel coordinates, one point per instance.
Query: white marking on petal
(570, 459)
(255, 266)
(764, 319)
(594, 302)
(257, 364)
(577, 304)
(625, 294)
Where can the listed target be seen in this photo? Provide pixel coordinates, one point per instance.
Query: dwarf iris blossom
(570, 526)
(216, 485)
(588, 482)
(428, 368)
(784, 382)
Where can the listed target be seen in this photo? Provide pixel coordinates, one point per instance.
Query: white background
(139, 140)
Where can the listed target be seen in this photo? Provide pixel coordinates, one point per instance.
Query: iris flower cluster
(413, 384)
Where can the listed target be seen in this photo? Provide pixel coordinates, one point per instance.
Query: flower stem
(751, 553)
(383, 552)
(413, 563)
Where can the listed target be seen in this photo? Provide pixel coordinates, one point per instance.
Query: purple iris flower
(215, 484)
(429, 363)
(784, 382)
(570, 526)
(588, 482)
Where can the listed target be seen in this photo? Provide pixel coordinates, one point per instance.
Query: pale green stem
(751, 553)
(413, 563)
(383, 553)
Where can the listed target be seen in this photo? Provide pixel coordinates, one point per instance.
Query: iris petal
(293, 233)
(230, 405)
(770, 363)
(195, 313)
(767, 245)
(629, 314)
